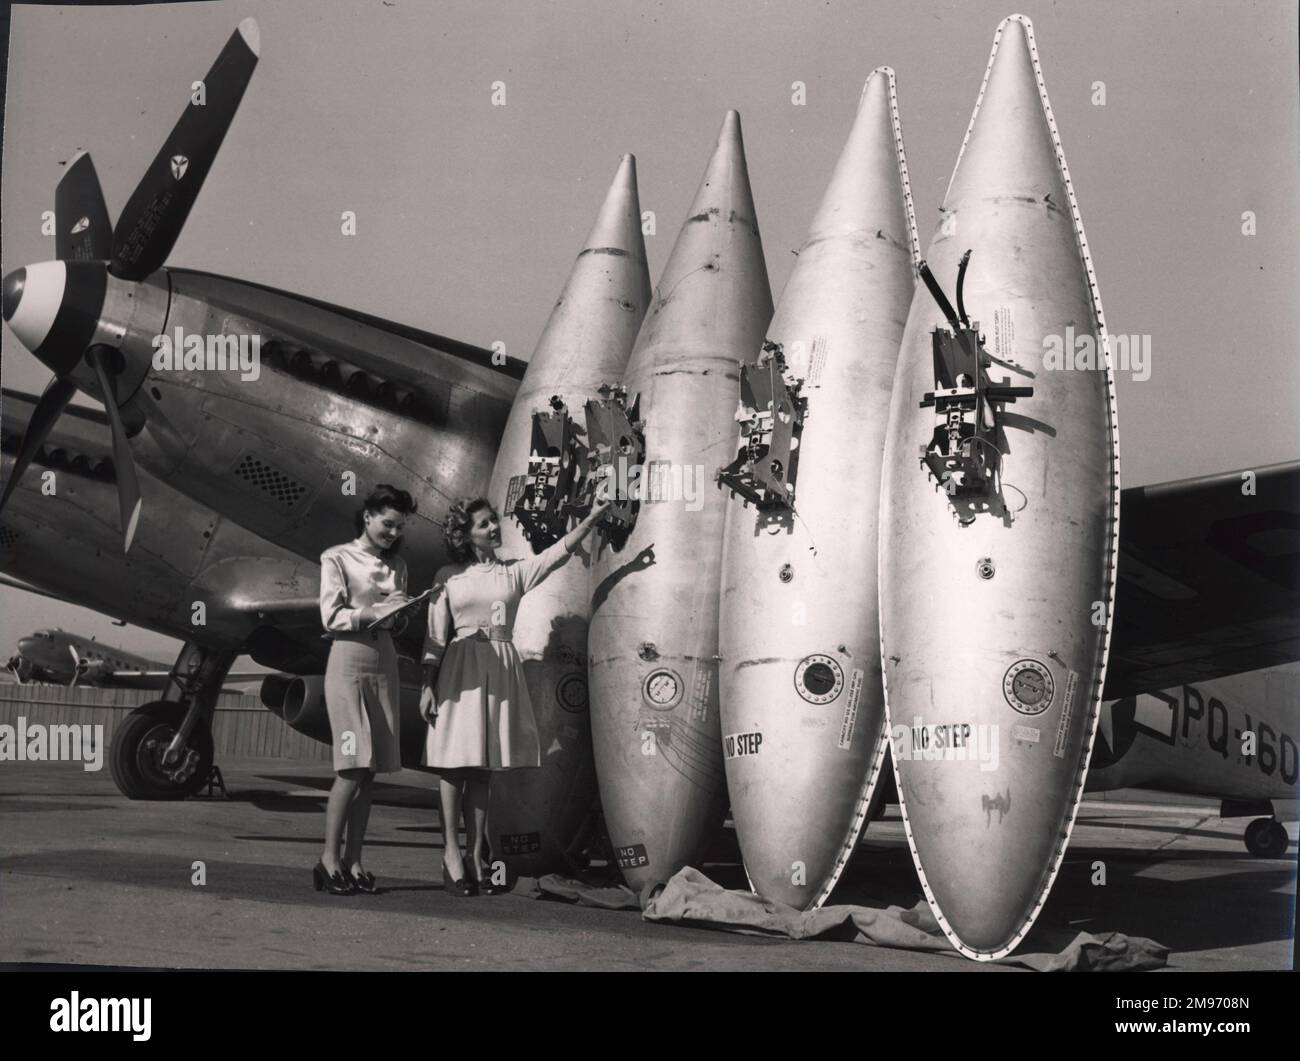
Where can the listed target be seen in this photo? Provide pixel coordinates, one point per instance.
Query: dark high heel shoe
(463, 888)
(334, 883)
(485, 883)
(363, 882)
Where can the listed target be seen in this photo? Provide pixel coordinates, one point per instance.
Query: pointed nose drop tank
(999, 521)
(803, 716)
(537, 813)
(654, 610)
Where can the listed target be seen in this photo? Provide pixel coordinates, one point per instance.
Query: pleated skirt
(363, 698)
(485, 717)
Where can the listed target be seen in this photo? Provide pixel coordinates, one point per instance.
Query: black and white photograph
(652, 487)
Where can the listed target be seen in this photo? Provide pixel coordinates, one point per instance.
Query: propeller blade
(82, 230)
(15, 666)
(156, 212)
(51, 404)
(128, 486)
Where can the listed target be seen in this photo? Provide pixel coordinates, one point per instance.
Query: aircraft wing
(158, 679)
(1209, 579)
(290, 637)
(287, 637)
(289, 611)
(26, 587)
(164, 672)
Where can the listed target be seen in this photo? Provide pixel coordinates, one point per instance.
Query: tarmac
(90, 878)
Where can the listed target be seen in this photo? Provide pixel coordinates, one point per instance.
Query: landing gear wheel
(1265, 838)
(136, 756)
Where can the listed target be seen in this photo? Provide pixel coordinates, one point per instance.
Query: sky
(469, 214)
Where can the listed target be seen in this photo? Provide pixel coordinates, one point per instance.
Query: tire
(138, 744)
(1265, 838)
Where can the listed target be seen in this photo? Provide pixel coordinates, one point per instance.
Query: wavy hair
(456, 527)
(383, 496)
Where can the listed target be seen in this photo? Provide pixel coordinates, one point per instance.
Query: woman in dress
(475, 698)
(362, 694)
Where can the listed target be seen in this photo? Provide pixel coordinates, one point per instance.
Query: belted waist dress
(362, 693)
(485, 717)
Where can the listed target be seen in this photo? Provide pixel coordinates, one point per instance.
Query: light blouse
(474, 596)
(352, 577)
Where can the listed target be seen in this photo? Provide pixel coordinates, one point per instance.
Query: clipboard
(387, 612)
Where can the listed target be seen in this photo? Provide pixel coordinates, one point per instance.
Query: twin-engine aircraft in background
(57, 657)
(225, 490)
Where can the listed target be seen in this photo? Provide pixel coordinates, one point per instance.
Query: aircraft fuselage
(337, 405)
(1231, 738)
(190, 573)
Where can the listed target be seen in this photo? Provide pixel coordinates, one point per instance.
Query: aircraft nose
(54, 309)
(32, 297)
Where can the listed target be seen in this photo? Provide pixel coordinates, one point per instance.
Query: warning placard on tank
(817, 361)
(850, 710)
(739, 745)
(520, 843)
(658, 481)
(1004, 334)
(515, 492)
(1067, 710)
(631, 857)
(700, 693)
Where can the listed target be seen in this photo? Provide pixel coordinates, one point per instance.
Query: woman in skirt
(362, 695)
(475, 698)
